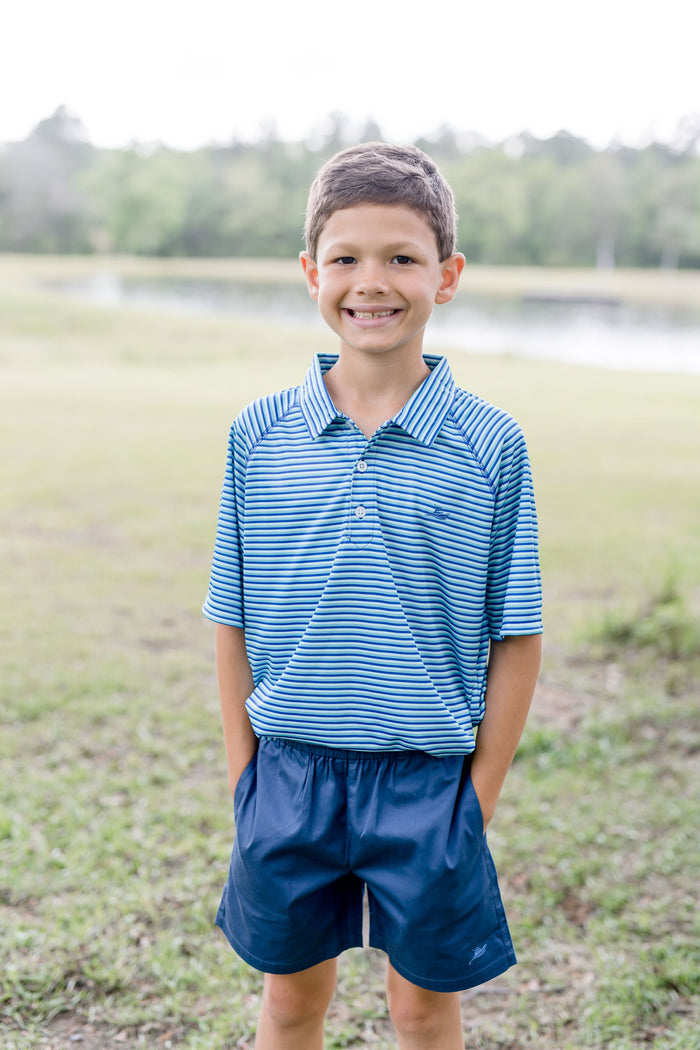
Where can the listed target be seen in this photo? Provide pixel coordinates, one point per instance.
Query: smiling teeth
(364, 315)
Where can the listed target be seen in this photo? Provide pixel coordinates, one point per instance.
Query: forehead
(393, 224)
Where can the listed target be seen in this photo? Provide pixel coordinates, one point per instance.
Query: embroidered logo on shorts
(478, 952)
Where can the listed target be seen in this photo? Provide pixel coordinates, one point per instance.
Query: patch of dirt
(68, 1032)
(560, 708)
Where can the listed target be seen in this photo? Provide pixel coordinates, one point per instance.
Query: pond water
(604, 334)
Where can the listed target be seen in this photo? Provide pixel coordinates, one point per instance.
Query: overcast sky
(188, 73)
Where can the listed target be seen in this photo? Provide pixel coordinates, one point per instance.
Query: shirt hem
(226, 621)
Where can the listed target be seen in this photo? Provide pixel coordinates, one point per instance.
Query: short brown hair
(379, 173)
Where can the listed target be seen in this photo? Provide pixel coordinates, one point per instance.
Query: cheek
(329, 291)
(418, 285)
(423, 294)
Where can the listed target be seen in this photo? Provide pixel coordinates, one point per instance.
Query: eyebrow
(397, 248)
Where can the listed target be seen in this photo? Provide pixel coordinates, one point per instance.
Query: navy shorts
(316, 825)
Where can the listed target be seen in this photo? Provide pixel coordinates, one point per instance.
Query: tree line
(526, 201)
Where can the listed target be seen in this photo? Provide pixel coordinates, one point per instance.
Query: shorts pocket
(475, 807)
(464, 825)
(244, 786)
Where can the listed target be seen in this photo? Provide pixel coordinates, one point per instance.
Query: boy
(377, 545)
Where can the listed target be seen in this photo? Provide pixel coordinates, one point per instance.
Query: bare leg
(423, 1020)
(294, 1007)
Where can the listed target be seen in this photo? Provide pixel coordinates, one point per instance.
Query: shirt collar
(315, 402)
(424, 413)
(422, 416)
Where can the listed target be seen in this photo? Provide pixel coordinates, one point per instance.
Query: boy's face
(377, 277)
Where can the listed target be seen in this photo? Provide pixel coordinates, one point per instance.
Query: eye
(402, 260)
(346, 260)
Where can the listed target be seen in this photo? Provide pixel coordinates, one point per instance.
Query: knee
(421, 1017)
(415, 1015)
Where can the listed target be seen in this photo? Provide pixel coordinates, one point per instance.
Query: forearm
(235, 686)
(514, 664)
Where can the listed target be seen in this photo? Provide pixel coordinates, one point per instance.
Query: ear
(311, 273)
(451, 271)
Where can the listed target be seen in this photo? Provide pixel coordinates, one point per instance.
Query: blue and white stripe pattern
(369, 575)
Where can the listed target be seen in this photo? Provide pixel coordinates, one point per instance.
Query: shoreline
(657, 286)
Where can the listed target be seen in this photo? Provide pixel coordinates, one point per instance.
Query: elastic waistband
(341, 754)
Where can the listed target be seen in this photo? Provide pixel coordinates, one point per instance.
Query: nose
(371, 279)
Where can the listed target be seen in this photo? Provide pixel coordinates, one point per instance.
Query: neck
(380, 377)
(373, 389)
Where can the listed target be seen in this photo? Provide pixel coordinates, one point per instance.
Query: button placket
(362, 517)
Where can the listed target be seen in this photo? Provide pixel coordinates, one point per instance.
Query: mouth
(371, 315)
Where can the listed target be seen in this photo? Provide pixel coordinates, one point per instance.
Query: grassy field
(115, 822)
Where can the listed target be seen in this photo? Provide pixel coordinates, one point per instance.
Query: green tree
(490, 204)
(675, 230)
(142, 199)
(559, 229)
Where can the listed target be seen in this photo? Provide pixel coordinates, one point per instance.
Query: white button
(360, 511)
(361, 465)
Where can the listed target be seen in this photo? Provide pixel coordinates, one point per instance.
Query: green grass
(115, 821)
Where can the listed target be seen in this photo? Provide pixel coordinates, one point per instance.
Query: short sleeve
(514, 585)
(224, 601)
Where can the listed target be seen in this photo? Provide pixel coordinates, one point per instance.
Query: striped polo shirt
(370, 574)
